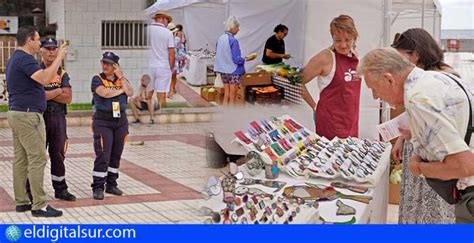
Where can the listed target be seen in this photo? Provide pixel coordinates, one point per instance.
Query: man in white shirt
(438, 109)
(162, 58)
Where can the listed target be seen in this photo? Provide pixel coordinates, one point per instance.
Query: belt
(23, 109)
(108, 115)
(55, 109)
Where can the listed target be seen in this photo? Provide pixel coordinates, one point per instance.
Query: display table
(195, 70)
(282, 144)
(292, 92)
(373, 213)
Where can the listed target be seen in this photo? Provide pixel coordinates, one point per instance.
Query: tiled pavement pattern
(161, 179)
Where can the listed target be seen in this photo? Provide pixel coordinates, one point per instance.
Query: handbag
(218, 81)
(447, 189)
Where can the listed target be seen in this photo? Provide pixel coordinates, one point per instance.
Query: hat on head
(110, 57)
(50, 42)
(164, 14)
(172, 27)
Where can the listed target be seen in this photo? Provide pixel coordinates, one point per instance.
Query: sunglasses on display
(213, 188)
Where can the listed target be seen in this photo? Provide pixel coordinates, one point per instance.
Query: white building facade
(92, 27)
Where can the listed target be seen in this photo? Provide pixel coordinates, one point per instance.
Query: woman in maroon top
(337, 110)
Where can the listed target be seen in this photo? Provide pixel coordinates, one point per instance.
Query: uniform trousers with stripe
(56, 140)
(109, 139)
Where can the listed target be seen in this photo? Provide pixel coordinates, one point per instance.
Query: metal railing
(6, 50)
(124, 34)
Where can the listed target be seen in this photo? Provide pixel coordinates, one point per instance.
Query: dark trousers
(56, 140)
(109, 139)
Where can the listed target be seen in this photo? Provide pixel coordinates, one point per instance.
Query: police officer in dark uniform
(58, 94)
(110, 125)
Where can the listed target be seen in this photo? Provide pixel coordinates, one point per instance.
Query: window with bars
(124, 34)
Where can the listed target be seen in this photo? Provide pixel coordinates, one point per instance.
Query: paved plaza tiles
(161, 179)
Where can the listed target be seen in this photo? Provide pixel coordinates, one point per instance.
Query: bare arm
(269, 53)
(171, 56)
(108, 93)
(454, 166)
(51, 94)
(65, 97)
(317, 66)
(44, 76)
(127, 87)
(182, 37)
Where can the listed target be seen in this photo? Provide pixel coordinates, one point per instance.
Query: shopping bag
(218, 81)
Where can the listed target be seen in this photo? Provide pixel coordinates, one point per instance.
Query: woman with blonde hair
(229, 62)
(337, 110)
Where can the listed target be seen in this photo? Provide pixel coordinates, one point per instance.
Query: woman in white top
(337, 110)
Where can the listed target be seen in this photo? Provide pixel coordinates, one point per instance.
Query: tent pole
(434, 24)
(423, 14)
(387, 11)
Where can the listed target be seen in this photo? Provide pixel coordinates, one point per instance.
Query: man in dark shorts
(140, 102)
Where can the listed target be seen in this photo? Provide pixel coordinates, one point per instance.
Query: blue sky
(457, 14)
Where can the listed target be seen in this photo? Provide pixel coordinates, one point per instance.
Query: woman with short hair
(337, 111)
(229, 62)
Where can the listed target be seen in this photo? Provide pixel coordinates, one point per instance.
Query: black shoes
(98, 194)
(114, 191)
(65, 195)
(137, 121)
(23, 208)
(50, 212)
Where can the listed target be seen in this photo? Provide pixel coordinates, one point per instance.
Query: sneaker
(114, 191)
(137, 121)
(152, 122)
(65, 195)
(50, 212)
(98, 194)
(23, 208)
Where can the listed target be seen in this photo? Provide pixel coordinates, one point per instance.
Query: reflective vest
(109, 84)
(56, 81)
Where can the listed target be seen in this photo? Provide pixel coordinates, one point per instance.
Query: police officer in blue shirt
(109, 123)
(58, 94)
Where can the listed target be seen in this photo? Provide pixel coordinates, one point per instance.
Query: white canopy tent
(424, 14)
(308, 21)
(203, 22)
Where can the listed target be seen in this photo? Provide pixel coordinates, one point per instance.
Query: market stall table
(373, 213)
(195, 70)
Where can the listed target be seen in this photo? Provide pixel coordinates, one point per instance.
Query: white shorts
(160, 80)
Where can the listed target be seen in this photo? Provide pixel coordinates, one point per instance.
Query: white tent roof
(167, 5)
(415, 4)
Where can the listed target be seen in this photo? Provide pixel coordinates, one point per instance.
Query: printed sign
(8, 25)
